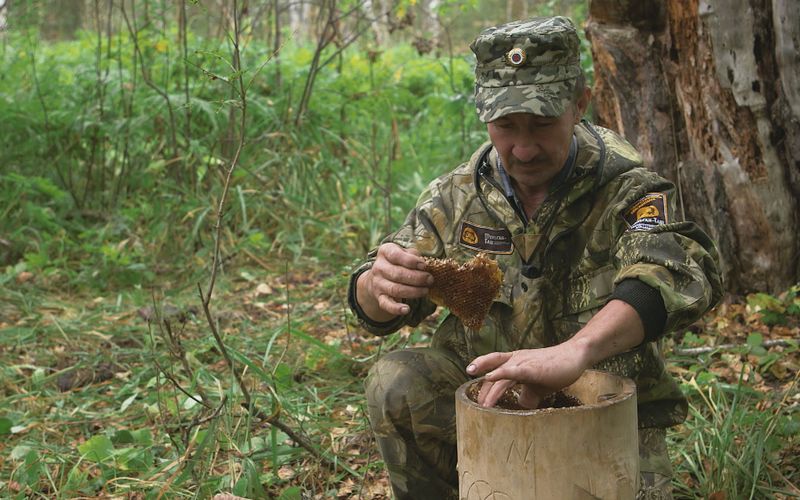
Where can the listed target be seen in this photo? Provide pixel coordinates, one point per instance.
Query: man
(597, 267)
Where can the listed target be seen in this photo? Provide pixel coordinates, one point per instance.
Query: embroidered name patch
(485, 239)
(650, 211)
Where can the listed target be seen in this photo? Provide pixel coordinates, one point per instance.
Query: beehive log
(588, 451)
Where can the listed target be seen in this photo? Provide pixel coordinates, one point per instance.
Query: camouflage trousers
(410, 393)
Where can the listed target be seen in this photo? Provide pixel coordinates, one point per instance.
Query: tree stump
(587, 451)
(709, 92)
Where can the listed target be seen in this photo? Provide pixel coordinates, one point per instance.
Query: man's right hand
(398, 273)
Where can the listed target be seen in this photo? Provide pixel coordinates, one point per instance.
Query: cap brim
(543, 99)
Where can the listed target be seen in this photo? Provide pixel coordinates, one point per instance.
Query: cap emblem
(516, 57)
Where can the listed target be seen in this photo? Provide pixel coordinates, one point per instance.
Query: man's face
(534, 148)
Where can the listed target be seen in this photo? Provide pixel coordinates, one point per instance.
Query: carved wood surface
(590, 451)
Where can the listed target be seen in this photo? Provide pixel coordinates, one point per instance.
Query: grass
(741, 437)
(111, 383)
(735, 442)
(122, 428)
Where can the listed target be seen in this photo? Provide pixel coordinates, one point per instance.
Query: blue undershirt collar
(562, 176)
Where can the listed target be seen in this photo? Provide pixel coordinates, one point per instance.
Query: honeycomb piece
(468, 289)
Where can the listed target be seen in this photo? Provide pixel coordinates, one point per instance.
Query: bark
(375, 9)
(709, 92)
(430, 25)
(3, 9)
(299, 17)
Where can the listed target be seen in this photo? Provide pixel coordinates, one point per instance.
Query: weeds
(329, 188)
(732, 443)
(115, 146)
(740, 440)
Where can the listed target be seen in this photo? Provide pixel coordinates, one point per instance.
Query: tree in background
(709, 92)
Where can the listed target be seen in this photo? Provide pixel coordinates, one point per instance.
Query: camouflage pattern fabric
(526, 67)
(559, 270)
(655, 469)
(412, 413)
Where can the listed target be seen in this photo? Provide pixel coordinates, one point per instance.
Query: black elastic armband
(647, 302)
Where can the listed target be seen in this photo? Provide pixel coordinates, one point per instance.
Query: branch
(694, 351)
(273, 419)
(355, 36)
(302, 440)
(206, 298)
(178, 385)
(134, 32)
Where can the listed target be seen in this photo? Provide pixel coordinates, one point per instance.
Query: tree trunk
(375, 9)
(709, 92)
(430, 25)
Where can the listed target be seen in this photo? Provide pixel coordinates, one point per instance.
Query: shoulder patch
(485, 239)
(648, 212)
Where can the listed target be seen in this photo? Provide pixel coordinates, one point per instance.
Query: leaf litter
(72, 361)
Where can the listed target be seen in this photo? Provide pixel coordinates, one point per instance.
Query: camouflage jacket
(562, 266)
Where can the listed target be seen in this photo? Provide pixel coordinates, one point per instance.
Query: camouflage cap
(526, 67)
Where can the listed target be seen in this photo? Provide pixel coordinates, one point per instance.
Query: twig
(176, 347)
(221, 345)
(206, 298)
(178, 385)
(256, 259)
(273, 419)
(213, 415)
(177, 351)
(302, 440)
(694, 351)
(134, 32)
(200, 420)
(288, 319)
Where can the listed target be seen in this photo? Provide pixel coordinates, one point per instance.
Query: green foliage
(738, 439)
(732, 442)
(113, 145)
(128, 184)
(111, 185)
(776, 310)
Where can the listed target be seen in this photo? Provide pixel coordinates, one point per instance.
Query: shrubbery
(110, 181)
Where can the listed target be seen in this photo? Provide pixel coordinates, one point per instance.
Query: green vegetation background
(114, 153)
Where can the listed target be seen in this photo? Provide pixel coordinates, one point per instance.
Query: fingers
(515, 371)
(408, 258)
(396, 275)
(529, 397)
(392, 306)
(401, 266)
(488, 362)
(491, 392)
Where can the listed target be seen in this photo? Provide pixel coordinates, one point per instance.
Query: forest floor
(89, 403)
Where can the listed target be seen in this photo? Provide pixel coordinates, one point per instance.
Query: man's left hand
(541, 372)
(614, 329)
